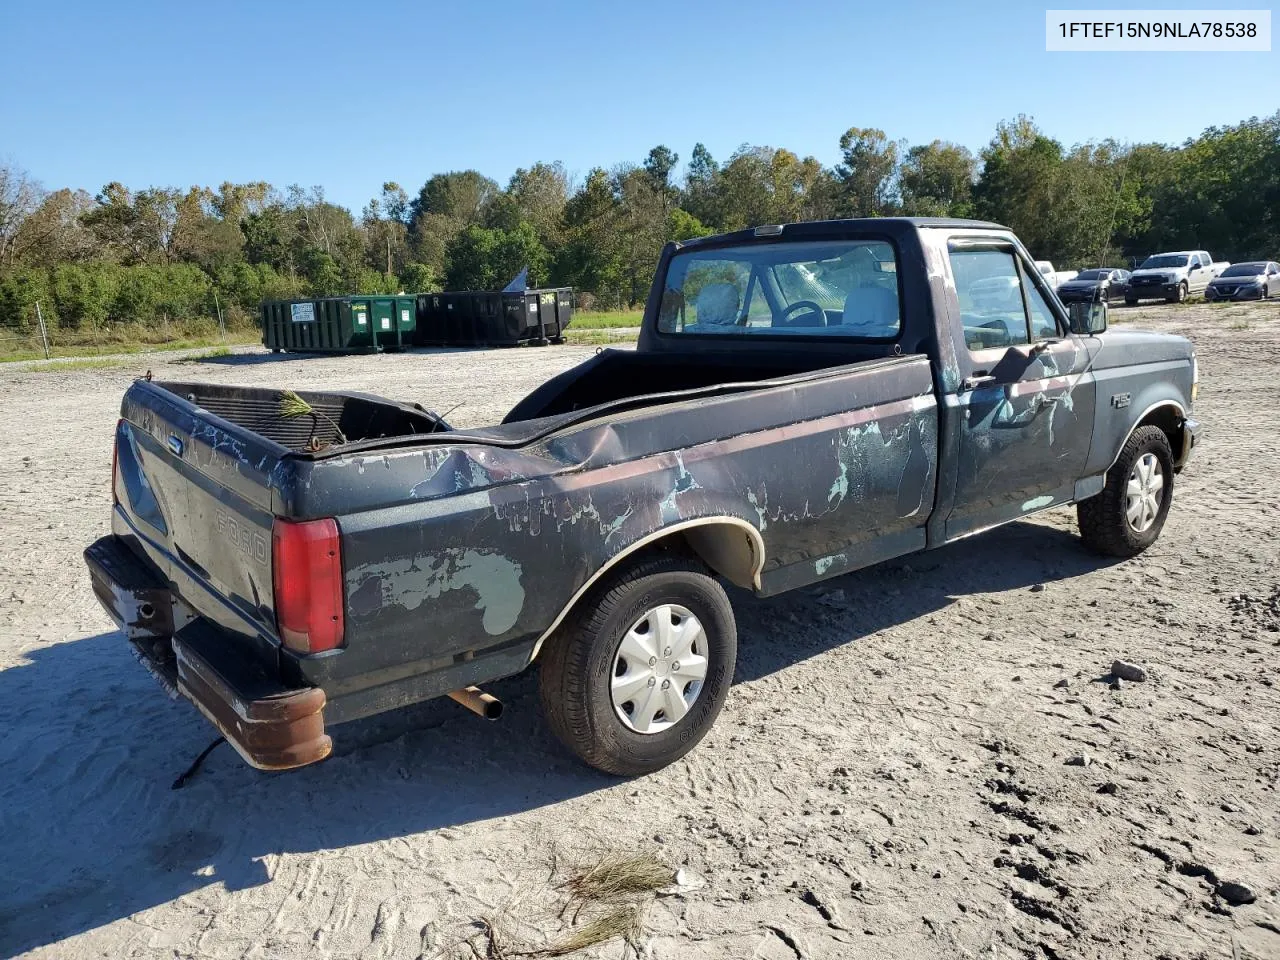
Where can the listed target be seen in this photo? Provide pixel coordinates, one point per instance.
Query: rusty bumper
(272, 726)
(272, 729)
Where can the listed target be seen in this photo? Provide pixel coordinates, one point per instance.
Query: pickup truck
(804, 400)
(1172, 276)
(1053, 276)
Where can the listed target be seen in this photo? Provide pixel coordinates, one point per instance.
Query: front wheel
(1180, 294)
(1128, 515)
(637, 674)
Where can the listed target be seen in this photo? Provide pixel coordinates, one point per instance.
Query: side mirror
(1195, 266)
(1088, 319)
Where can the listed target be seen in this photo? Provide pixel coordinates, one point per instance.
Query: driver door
(1026, 396)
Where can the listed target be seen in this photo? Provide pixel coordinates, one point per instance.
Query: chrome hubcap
(1142, 495)
(659, 669)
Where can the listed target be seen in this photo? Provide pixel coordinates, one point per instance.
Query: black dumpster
(486, 317)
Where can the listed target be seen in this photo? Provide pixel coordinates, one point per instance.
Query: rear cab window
(844, 289)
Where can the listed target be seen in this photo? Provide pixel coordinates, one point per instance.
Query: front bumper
(1191, 434)
(273, 727)
(1240, 293)
(1153, 291)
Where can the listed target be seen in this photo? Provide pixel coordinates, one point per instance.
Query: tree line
(158, 254)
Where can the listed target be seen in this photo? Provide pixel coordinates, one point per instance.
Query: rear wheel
(1128, 515)
(637, 674)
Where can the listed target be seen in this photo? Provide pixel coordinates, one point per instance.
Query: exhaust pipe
(478, 702)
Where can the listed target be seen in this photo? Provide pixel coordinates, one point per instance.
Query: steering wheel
(803, 305)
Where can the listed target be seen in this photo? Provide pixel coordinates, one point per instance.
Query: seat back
(872, 312)
(717, 304)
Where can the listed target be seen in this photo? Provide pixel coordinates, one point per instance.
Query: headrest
(717, 303)
(871, 312)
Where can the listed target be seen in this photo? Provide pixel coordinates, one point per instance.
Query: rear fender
(730, 546)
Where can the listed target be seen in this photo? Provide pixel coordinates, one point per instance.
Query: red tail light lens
(307, 575)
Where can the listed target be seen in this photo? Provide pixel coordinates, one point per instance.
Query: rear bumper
(272, 726)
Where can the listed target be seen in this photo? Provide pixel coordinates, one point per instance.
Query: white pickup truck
(1053, 276)
(1172, 276)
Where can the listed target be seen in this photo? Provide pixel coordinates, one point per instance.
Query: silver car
(1254, 280)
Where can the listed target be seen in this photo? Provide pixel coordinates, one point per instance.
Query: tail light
(307, 576)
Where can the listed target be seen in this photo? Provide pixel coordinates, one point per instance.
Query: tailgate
(196, 490)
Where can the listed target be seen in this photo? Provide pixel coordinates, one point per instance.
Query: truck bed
(493, 529)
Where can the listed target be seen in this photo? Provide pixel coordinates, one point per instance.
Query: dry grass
(620, 923)
(619, 878)
(291, 405)
(600, 337)
(605, 902)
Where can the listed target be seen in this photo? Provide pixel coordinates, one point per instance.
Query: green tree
(700, 195)
(936, 180)
(481, 258)
(1019, 170)
(867, 172)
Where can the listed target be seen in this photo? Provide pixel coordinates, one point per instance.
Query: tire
(1180, 294)
(1104, 519)
(581, 660)
(1130, 303)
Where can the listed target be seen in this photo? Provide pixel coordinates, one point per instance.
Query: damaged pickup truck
(805, 400)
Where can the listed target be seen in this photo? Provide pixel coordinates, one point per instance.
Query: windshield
(1165, 260)
(1245, 270)
(1093, 274)
(829, 288)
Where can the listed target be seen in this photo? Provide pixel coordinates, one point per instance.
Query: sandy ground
(890, 777)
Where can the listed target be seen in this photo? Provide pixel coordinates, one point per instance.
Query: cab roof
(812, 229)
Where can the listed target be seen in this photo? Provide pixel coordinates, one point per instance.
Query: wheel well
(730, 547)
(1169, 419)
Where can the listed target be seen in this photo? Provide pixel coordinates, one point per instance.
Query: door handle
(976, 381)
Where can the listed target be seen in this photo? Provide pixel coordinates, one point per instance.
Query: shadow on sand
(93, 833)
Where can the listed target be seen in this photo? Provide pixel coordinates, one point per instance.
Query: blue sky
(350, 94)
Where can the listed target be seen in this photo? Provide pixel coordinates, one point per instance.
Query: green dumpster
(338, 324)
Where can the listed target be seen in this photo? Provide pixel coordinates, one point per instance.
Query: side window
(1043, 324)
(989, 289)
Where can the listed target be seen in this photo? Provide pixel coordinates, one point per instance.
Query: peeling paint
(409, 583)
(684, 483)
(823, 564)
(1036, 503)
